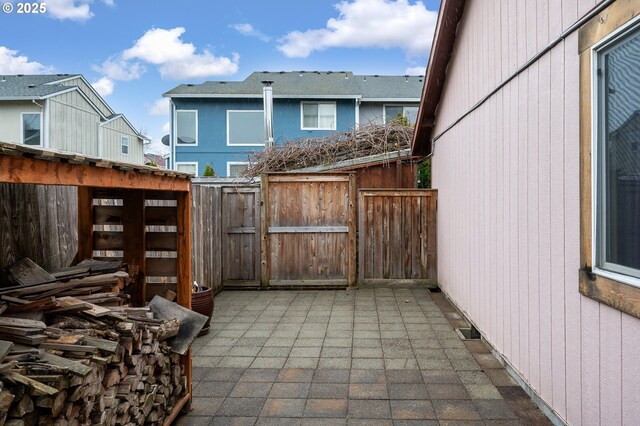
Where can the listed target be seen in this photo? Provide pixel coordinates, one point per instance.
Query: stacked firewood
(74, 352)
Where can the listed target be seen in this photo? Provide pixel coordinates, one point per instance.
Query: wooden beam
(21, 169)
(183, 287)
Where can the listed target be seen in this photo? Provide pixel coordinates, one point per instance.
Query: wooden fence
(397, 233)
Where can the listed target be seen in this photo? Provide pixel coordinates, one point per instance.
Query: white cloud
(166, 127)
(415, 70)
(12, 63)
(104, 86)
(176, 59)
(118, 69)
(248, 30)
(69, 9)
(160, 107)
(368, 23)
(109, 2)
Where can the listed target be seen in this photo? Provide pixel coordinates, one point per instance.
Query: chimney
(267, 92)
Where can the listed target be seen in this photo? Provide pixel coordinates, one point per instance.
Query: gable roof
(31, 86)
(444, 37)
(308, 84)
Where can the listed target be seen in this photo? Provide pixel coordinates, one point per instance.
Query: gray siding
(97, 100)
(111, 142)
(73, 124)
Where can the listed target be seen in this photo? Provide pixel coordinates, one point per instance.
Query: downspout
(172, 139)
(357, 120)
(267, 92)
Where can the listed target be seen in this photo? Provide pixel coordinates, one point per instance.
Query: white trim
(244, 110)
(45, 124)
(357, 114)
(334, 123)
(187, 163)
(122, 145)
(22, 114)
(260, 96)
(234, 163)
(172, 135)
(85, 82)
(397, 100)
(176, 127)
(616, 272)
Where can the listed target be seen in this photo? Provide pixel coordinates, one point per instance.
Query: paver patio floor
(383, 356)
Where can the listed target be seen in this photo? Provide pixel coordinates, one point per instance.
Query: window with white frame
(616, 163)
(31, 132)
(392, 112)
(245, 127)
(187, 167)
(186, 127)
(124, 144)
(318, 115)
(236, 168)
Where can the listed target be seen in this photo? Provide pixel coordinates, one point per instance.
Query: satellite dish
(165, 140)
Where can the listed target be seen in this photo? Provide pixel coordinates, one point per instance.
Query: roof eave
(255, 96)
(444, 37)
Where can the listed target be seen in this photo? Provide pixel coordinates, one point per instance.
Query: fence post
(264, 231)
(352, 246)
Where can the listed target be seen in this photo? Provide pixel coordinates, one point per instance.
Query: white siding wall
(99, 103)
(508, 212)
(73, 124)
(10, 121)
(112, 133)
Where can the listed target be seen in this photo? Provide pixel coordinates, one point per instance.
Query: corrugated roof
(31, 86)
(308, 84)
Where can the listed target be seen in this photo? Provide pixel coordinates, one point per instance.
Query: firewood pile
(73, 351)
(337, 146)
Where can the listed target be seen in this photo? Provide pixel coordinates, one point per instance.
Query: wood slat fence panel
(397, 235)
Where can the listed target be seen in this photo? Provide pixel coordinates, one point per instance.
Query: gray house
(63, 112)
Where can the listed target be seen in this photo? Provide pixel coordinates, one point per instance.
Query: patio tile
(500, 377)
(283, 408)
(323, 422)
(438, 376)
(483, 392)
(295, 375)
(250, 390)
(301, 363)
(238, 407)
(268, 362)
(369, 409)
(305, 352)
(455, 410)
(404, 376)
(260, 375)
(289, 390)
(278, 421)
(233, 421)
(407, 391)
(367, 363)
(447, 391)
(474, 378)
(334, 363)
(334, 352)
(274, 351)
(206, 361)
(244, 351)
(213, 389)
(326, 408)
(236, 361)
(400, 363)
(329, 390)
(366, 343)
(368, 376)
(494, 410)
(367, 352)
(338, 343)
(332, 376)
(412, 410)
(205, 406)
(308, 342)
(368, 391)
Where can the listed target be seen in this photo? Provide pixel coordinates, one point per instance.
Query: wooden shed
(153, 213)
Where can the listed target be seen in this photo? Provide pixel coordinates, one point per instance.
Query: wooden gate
(397, 235)
(240, 248)
(308, 230)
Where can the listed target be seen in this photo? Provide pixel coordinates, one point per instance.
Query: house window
(609, 52)
(391, 112)
(187, 167)
(245, 128)
(124, 145)
(616, 162)
(187, 128)
(318, 115)
(236, 168)
(31, 128)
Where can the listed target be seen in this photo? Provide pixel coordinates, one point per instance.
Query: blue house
(221, 122)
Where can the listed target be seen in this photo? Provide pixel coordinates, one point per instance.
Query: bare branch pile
(337, 146)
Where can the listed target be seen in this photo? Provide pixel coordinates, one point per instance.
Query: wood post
(134, 242)
(265, 271)
(352, 245)
(85, 223)
(183, 287)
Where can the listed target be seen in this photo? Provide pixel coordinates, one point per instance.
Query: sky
(132, 51)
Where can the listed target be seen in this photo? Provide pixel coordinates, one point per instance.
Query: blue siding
(212, 128)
